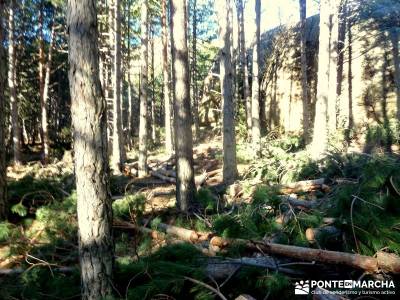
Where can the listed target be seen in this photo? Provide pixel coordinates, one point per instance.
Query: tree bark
(244, 64)
(255, 99)
(304, 80)
(46, 88)
(230, 172)
(320, 137)
(185, 186)
(89, 119)
(394, 37)
(118, 145)
(143, 91)
(166, 81)
(16, 129)
(153, 88)
(194, 73)
(3, 67)
(42, 61)
(333, 64)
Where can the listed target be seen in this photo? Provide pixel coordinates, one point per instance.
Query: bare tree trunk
(131, 119)
(244, 65)
(394, 37)
(166, 79)
(230, 172)
(143, 90)
(320, 137)
(118, 145)
(185, 186)
(194, 73)
(41, 72)
(304, 81)
(153, 90)
(3, 167)
(255, 100)
(88, 111)
(333, 63)
(44, 114)
(16, 129)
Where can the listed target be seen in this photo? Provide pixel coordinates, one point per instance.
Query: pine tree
(255, 88)
(143, 140)
(166, 81)
(118, 145)
(12, 86)
(88, 111)
(3, 178)
(226, 77)
(185, 187)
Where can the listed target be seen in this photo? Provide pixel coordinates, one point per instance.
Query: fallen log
(317, 234)
(309, 204)
(304, 186)
(18, 271)
(367, 263)
(183, 233)
(386, 262)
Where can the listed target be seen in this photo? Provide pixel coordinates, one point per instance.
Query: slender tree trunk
(131, 122)
(118, 145)
(230, 172)
(143, 90)
(304, 80)
(153, 90)
(333, 63)
(394, 37)
(42, 61)
(320, 137)
(166, 79)
(244, 65)
(16, 129)
(89, 119)
(44, 114)
(185, 187)
(255, 100)
(194, 73)
(3, 67)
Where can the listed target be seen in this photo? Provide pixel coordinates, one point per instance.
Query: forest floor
(346, 203)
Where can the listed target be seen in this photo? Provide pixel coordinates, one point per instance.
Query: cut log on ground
(304, 186)
(309, 204)
(384, 261)
(317, 234)
(367, 263)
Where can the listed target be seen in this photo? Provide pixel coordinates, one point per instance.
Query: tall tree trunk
(16, 129)
(143, 90)
(230, 172)
(304, 81)
(244, 65)
(255, 100)
(333, 64)
(153, 89)
(394, 37)
(166, 79)
(194, 73)
(131, 119)
(3, 67)
(185, 187)
(320, 137)
(118, 145)
(44, 114)
(42, 61)
(89, 119)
